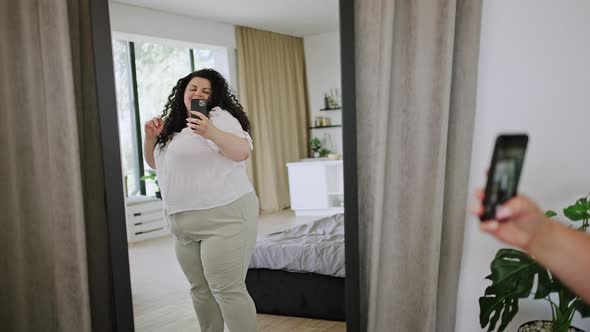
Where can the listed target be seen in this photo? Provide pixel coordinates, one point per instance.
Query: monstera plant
(513, 275)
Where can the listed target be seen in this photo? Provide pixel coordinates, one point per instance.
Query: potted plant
(316, 146)
(152, 176)
(513, 276)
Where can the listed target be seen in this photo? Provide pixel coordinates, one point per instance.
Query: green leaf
(565, 295)
(575, 214)
(563, 320)
(508, 314)
(493, 308)
(514, 269)
(582, 308)
(513, 273)
(578, 211)
(544, 286)
(550, 214)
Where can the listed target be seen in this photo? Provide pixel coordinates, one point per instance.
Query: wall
(322, 57)
(137, 24)
(534, 76)
(154, 23)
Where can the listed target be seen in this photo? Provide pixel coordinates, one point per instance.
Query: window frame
(130, 41)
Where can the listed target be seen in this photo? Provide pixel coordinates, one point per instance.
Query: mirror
(284, 69)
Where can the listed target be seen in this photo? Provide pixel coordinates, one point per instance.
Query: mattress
(316, 247)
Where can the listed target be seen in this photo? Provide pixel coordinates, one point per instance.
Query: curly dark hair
(174, 113)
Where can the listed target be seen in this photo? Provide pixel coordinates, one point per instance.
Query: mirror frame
(350, 157)
(114, 268)
(120, 308)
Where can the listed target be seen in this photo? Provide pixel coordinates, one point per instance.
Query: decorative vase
(542, 325)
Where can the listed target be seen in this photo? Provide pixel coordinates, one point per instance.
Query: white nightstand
(316, 187)
(145, 218)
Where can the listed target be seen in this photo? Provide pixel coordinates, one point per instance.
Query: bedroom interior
(415, 260)
(289, 82)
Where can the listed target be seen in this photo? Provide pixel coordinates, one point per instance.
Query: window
(145, 74)
(126, 117)
(158, 69)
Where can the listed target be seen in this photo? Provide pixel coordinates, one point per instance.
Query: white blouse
(194, 175)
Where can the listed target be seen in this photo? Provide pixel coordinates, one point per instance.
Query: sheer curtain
(416, 64)
(273, 91)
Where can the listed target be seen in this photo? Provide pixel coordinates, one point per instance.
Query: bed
(300, 271)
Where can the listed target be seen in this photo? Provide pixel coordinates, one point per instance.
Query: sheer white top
(194, 175)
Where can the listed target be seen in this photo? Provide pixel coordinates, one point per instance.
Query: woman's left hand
(201, 125)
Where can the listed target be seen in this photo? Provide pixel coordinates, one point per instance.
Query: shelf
(331, 126)
(335, 193)
(330, 109)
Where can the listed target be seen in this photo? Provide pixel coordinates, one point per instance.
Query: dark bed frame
(110, 293)
(310, 295)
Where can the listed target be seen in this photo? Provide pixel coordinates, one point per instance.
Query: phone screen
(504, 174)
(199, 105)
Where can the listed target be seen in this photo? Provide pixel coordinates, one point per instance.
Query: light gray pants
(214, 248)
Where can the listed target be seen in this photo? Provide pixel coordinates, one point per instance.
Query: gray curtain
(54, 230)
(416, 68)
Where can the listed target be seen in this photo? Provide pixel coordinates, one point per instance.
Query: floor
(161, 301)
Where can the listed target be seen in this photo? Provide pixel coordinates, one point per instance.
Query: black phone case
(199, 105)
(504, 172)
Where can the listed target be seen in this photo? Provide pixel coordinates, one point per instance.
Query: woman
(211, 205)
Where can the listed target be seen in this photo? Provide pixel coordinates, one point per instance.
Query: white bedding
(316, 247)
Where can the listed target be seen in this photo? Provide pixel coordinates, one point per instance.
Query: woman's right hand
(519, 221)
(153, 128)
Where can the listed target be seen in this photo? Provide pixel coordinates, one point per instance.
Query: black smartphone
(199, 105)
(504, 172)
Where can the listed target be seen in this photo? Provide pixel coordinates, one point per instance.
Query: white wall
(534, 76)
(154, 23)
(148, 25)
(322, 59)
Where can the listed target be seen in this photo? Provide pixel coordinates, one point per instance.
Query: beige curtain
(51, 171)
(416, 70)
(273, 91)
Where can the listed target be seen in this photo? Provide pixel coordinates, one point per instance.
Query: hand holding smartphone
(504, 172)
(199, 105)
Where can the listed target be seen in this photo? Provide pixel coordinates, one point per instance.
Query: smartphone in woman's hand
(504, 172)
(199, 105)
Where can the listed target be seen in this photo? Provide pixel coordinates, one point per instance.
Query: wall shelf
(331, 109)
